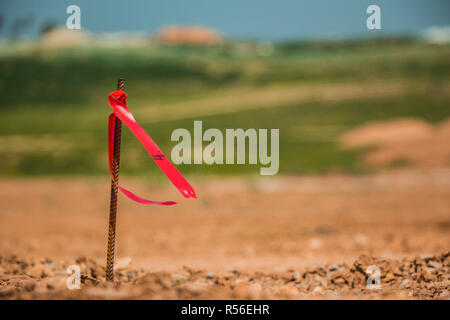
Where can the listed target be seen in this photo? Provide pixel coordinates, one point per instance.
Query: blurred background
(363, 118)
(312, 69)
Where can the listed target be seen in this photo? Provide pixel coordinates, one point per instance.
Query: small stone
(295, 276)
(194, 288)
(318, 290)
(178, 277)
(132, 275)
(234, 271)
(389, 277)
(434, 264)
(210, 275)
(404, 283)
(320, 280)
(339, 281)
(427, 276)
(333, 267)
(165, 283)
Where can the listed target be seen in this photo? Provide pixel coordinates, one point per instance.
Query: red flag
(118, 101)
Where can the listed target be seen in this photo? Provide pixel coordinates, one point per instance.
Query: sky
(275, 20)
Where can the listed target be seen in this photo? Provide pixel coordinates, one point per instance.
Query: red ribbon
(118, 101)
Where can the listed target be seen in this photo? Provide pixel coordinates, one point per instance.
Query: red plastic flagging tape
(118, 101)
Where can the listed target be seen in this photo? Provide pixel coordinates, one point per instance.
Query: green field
(54, 110)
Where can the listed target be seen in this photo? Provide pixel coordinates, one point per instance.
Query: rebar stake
(113, 201)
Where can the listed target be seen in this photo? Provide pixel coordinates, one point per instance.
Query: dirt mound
(424, 278)
(402, 142)
(61, 37)
(189, 36)
(388, 133)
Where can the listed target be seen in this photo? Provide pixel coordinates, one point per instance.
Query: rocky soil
(420, 277)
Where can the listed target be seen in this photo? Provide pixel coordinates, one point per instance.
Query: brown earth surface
(285, 237)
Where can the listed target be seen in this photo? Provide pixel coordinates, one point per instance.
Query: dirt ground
(292, 237)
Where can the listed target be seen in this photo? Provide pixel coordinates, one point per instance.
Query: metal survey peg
(114, 190)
